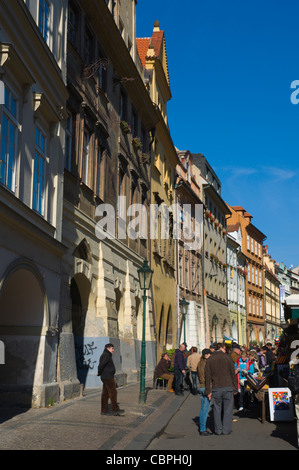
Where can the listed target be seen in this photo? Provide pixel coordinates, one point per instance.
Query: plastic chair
(159, 381)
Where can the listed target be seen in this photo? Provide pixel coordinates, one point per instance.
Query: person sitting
(163, 372)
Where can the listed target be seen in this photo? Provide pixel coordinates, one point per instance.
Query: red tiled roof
(157, 40)
(142, 48)
(233, 227)
(143, 44)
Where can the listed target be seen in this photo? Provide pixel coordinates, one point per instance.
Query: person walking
(261, 359)
(204, 400)
(179, 368)
(269, 356)
(221, 384)
(192, 363)
(106, 370)
(236, 352)
(162, 370)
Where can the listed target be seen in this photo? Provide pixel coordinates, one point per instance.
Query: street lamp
(184, 309)
(145, 279)
(215, 323)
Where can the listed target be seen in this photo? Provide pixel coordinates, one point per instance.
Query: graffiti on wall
(85, 356)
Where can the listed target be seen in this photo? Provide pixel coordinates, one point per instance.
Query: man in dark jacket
(106, 370)
(221, 383)
(179, 367)
(163, 372)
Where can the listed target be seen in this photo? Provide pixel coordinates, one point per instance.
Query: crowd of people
(221, 371)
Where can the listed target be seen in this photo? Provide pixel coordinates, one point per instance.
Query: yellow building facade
(152, 52)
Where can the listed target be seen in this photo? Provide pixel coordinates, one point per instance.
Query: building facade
(282, 273)
(189, 264)
(272, 298)
(214, 247)
(32, 112)
(252, 247)
(236, 283)
(153, 55)
(110, 119)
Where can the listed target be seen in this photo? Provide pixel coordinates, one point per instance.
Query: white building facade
(32, 107)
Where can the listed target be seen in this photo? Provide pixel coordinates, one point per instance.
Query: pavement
(77, 424)
(166, 422)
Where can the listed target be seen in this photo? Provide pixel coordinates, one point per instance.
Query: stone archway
(169, 330)
(80, 294)
(23, 322)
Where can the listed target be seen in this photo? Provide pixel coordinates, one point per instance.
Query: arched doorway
(23, 314)
(80, 295)
(169, 329)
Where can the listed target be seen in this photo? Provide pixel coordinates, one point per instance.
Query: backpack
(293, 380)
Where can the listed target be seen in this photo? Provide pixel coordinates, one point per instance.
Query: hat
(205, 351)
(236, 346)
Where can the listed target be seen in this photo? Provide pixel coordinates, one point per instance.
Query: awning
(291, 307)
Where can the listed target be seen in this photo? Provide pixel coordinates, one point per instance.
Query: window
(8, 140)
(134, 123)
(260, 278)
(248, 242)
(85, 157)
(180, 270)
(73, 25)
(68, 143)
(134, 186)
(39, 172)
(187, 272)
(88, 47)
(102, 72)
(99, 160)
(123, 106)
(44, 18)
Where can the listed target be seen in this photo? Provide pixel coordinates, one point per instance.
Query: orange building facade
(252, 247)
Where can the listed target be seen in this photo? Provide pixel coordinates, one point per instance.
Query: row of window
(255, 276)
(215, 287)
(255, 306)
(215, 211)
(189, 272)
(235, 293)
(253, 246)
(9, 151)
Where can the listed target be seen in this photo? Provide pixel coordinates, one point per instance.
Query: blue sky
(231, 65)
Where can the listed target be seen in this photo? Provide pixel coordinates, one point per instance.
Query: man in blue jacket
(179, 368)
(243, 366)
